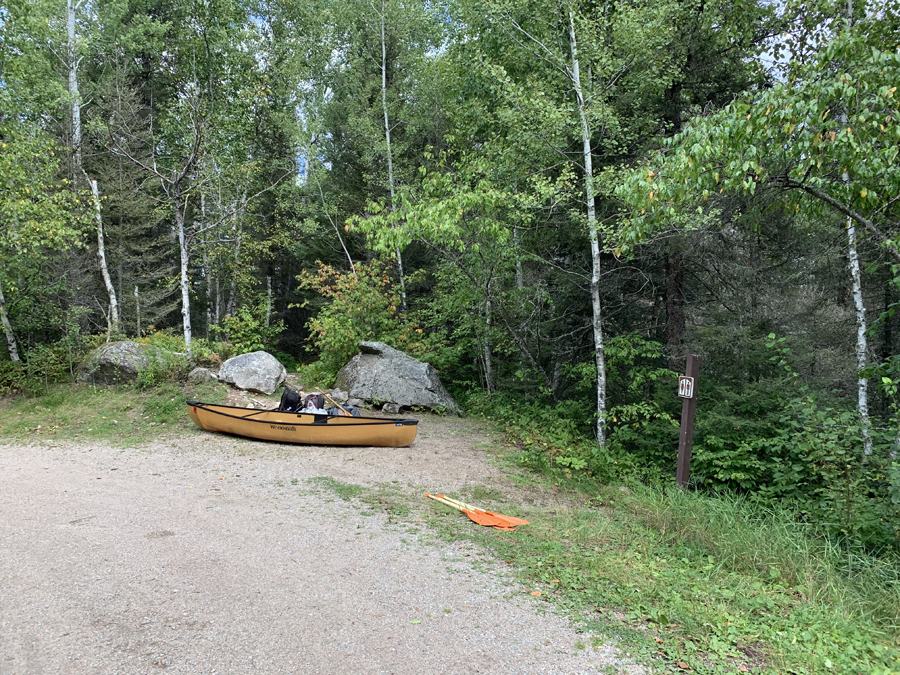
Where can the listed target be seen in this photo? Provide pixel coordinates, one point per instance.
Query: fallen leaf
(659, 640)
(743, 669)
(536, 593)
(683, 665)
(554, 581)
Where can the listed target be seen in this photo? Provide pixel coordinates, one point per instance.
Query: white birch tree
(72, 62)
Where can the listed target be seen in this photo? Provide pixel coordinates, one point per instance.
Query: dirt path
(209, 554)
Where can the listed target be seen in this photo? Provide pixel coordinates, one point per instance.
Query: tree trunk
(137, 310)
(177, 200)
(599, 357)
(73, 88)
(77, 164)
(390, 159)
(101, 257)
(862, 404)
(488, 361)
(7, 328)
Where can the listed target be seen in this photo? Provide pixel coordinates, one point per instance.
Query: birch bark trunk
(597, 313)
(862, 396)
(387, 139)
(101, 256)
(137, 310)
(7, 329)
(78, 165)
(73, 86)
(177, 199)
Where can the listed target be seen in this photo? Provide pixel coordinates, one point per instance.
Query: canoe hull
(303, 428)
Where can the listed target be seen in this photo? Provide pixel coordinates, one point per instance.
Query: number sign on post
(687, 389)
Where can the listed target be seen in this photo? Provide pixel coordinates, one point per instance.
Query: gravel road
(211, 554)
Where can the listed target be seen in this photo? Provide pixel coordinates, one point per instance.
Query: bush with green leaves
(246, 331)
(362, 304)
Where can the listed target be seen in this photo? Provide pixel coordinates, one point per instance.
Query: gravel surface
(211, 554)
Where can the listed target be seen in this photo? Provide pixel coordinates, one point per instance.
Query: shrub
(164, 366)
(247, 331)
(357, 306)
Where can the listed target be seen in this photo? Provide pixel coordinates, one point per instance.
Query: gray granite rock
(115, 363)
(382, 373)
(256, 371)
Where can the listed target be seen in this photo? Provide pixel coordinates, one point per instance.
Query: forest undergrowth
(696, 579)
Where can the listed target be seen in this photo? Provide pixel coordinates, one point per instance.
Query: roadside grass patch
(690, 583)
(345, 491)
(122, 415)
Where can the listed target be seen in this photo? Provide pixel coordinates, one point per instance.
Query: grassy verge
(121, 415)
(688, 583)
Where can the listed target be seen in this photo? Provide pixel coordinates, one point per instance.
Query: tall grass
(773, 543)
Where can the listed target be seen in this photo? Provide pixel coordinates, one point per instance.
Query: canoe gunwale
(319, 419)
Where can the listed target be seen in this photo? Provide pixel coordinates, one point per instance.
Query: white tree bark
(387, 139)
(78, 167)
(862, 404)
(101, 255)
(137, 310)
(73, 60)
(593, 233)
(183, 250)
(7, 329)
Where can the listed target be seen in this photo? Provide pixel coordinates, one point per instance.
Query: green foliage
(640, 417)
(710, 584)
(287, 360)
(163, 367)
(169, 361)
(38, 213)
(830, 136)
(780, 444)
(360, 305)
(247, 331)
(13, 377)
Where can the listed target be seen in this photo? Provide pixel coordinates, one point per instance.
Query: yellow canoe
(306, 428)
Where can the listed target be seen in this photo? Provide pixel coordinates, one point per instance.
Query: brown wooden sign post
(687, 389)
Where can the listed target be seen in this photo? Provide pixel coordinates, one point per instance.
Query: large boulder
(382, 373)
(115, 363)
(256, 371)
